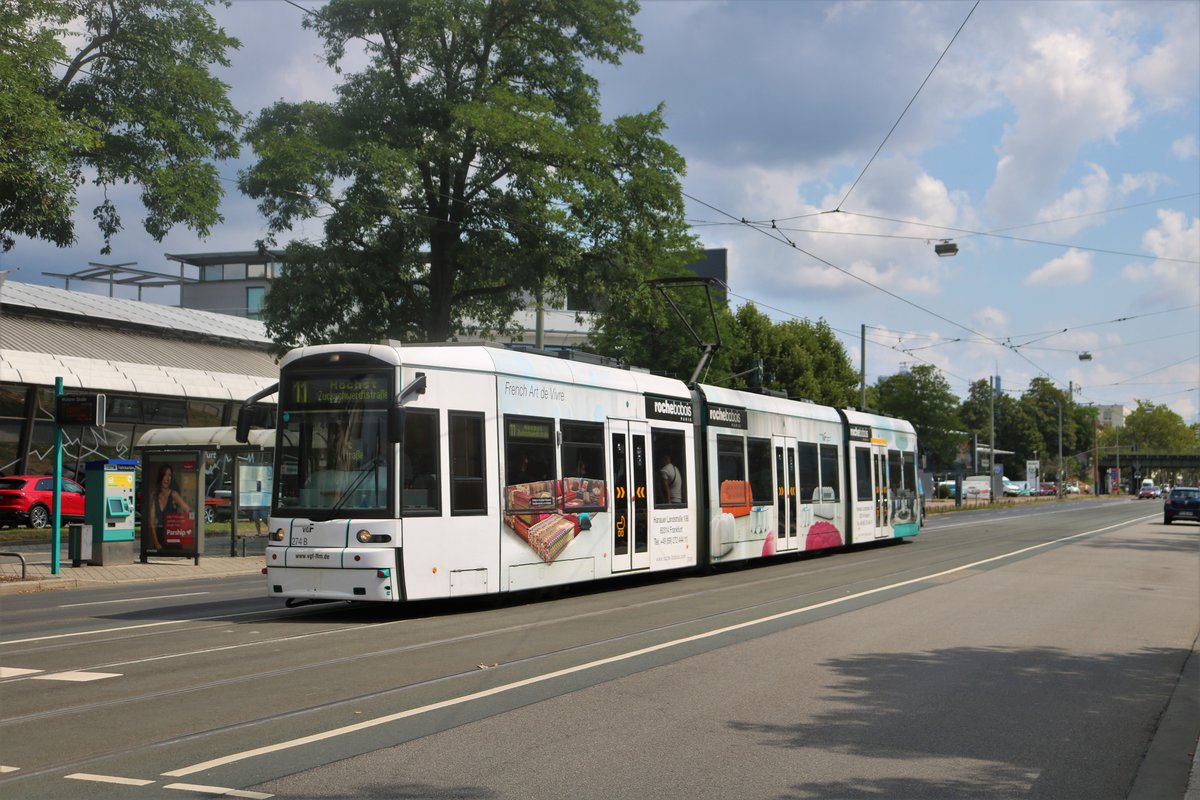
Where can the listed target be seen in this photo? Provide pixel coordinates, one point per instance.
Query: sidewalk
(39, 577)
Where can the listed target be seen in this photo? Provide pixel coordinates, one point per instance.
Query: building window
(212, 272)
(256, 271)
(255, 295)
(235, 272)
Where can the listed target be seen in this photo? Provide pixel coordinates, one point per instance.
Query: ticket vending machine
(108, 507)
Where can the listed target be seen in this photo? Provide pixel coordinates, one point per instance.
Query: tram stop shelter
(223, 479)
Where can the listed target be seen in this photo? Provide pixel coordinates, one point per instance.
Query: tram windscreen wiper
(369, 468)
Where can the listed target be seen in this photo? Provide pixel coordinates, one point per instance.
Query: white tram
(414, 472)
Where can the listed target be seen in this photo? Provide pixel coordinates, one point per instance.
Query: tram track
(391, 652)
(464, 681)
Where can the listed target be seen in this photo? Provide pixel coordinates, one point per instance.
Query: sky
(830, 146)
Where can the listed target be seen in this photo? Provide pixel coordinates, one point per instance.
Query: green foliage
(464, 171)
(1154, 428)
(923, 397)
(803, 358)
(128, 98)
(639, 328)
(1016, 429)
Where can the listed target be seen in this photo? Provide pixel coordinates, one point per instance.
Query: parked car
(28, 500)
(1182, 503)
(1049, 490)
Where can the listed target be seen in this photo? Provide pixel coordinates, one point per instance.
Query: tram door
(630, 495)
(871, 512)
(786, 523)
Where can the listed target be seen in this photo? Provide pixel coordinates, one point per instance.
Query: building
(157, 366)
(163, 366)
(234, 283)
(1112, 416)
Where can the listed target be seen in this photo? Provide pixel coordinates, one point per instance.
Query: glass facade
(128, 417)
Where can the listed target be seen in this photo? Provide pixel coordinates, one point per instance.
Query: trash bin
(79, 544)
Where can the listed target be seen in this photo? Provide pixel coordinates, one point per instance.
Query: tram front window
(335, 461)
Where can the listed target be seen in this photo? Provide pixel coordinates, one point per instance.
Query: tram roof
(495, 359)
(769, 403)
(855, 417)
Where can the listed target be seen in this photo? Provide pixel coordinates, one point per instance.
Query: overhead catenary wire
(783, 239)
(908, 106)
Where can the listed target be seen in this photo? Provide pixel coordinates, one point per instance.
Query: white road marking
(87, 776)
(218, 790)
(536, 679)
(4, 769)
(76, 676)
(13, 672)
(102, 631)
(133, 600)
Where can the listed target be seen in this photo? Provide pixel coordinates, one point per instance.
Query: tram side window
(895, 473)
(910, 472)
(808, 479)
(528, 450)
(762, 487)
(670, 467)
(731, 471)
(468, 473)
(583, 486)
(830, 475)
(862, 473)
(422, 494)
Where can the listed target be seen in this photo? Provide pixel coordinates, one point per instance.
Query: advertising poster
(170, 498)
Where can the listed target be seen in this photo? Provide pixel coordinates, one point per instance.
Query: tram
(408, 472)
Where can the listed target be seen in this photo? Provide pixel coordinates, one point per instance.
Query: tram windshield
(333, 456)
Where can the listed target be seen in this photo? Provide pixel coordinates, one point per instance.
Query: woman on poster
(166, 500)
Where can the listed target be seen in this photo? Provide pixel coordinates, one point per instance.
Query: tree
(464, 173)
(802, 358)
(133, 102)
(1015, 429)
(1154, 428)
(923, 397)
(638, 327)
(1047, 406)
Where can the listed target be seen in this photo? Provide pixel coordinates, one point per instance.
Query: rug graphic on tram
(541, 512)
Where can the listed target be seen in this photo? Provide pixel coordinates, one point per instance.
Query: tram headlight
(276, 535)
(366, 537)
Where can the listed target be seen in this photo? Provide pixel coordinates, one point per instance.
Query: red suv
(28, 500)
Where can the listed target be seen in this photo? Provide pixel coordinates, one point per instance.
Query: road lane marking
(76, 676)
(87, 776)
(4, 769)
(218, 790)
(13, 672)
(614, 659)
(134, 600)
(100, 631)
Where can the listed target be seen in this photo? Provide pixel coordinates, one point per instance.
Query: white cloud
(1070, 269)
(1170, 72)
(992, 319)
(1174, 282)
(1185, 147)
(1067, 89)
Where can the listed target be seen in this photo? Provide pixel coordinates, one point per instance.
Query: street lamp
(946, 248)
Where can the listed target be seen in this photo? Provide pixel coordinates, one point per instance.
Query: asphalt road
(1033, 652)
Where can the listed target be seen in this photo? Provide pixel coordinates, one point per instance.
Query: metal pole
(992, 381)
(862, 369)
(1060, 462)
(56, 519)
